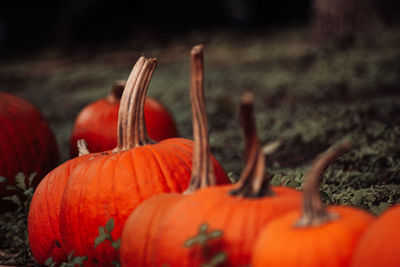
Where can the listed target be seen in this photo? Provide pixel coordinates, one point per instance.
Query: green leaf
(30, 179)
(20, 181)
(50, 262)
(190, 242)
(116, 244)
(215, 234)
(100, 239)
(2, 179)
(110, 225)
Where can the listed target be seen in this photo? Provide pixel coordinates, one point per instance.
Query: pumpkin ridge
(97, 179)
(48, 214)
(165, 170)
(137, 187)
(176, 150)
(81, 225)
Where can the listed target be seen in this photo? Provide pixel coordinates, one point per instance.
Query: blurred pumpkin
(97, 122)
(379, 246)
(27, 144)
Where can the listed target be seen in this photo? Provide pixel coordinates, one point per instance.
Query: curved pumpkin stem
(131, 127)
(314, 212)
(116, 91)
(253, 182)
(202, 167)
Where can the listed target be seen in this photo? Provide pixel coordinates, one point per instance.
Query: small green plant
(202, 239)
(72, 261)
(13, 225)
(105, 234)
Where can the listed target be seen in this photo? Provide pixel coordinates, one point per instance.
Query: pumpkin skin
(331, 244)
(112, 185)
(44, 213)
(239, 218)
(97, 123)
(140, 230)
(27, 144)
(379, 246)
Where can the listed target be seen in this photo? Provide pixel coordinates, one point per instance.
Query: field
(308, 96)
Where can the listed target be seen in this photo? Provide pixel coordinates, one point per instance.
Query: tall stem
(253, 182)
(314, 211)
(202, 167)
(131, 129)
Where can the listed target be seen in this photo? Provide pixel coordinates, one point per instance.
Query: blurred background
(26, 26)
(321, 69)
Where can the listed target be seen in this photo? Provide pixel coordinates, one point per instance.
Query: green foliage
(202, 239)
(13, 224)
(73, 261)
(105, 234)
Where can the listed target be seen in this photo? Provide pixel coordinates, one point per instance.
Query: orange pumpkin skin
(239, 218)
(140, 230)
(44, 213)
(112, 186)
(379, 246)
(97, 124)
(331, 244)
(27, 144)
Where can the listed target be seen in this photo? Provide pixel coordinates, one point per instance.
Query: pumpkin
(114, 183)
(27, 144)
(232, 211)
(97, 122)
(44, 213)
(316, 235)
(379, 246)
(139, 232)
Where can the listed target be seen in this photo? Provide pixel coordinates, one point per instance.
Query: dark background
(30, 25)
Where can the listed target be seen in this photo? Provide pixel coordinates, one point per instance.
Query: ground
(309, 96)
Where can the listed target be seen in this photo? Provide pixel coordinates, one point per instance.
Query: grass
(308, 96)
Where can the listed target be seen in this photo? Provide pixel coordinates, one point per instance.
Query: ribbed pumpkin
(113, 184)
(27, 144)
(238, 211)
(44, 213)
(97, 122)
(379, 246)
(316, 236)
(138, 236)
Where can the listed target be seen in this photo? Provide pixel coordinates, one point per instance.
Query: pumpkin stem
(82, 147)
(116, 91)
(314, 212)
(202, 167)
(131, 127)
(253, 182)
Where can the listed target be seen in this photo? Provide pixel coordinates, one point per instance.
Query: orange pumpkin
(113, 184)
(140, 229)
(97, 122)
(379, 246)
(44, 213)
(232, 209)
(27, 144)
(316, 236)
